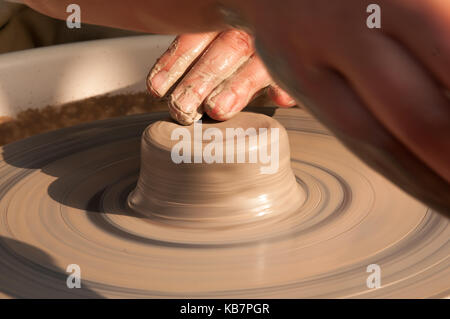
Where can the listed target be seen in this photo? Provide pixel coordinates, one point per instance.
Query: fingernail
(292, 102)
(159, 82)
(222, 103)
(182, 114)
(186, 99)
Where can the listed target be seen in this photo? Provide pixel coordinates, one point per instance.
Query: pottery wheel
(63, 201)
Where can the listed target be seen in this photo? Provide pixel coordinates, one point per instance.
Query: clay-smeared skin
(217, 194)
(63, 198)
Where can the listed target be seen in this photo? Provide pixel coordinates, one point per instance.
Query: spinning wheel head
(63, 200)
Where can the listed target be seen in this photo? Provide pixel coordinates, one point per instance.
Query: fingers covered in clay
(224, 56)
(176, 60)
(218, 72)
(235, 93)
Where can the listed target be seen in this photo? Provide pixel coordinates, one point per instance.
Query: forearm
(155, 16)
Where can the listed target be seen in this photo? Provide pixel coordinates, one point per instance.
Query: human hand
(383, 92)
(219, 72)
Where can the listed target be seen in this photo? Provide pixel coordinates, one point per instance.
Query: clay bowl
(216, 174)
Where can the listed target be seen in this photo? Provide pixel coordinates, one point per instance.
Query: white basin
(65, 73)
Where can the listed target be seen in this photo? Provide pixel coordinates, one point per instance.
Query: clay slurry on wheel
(63, 200)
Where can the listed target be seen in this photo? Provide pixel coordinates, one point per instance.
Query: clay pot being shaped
(216, 174)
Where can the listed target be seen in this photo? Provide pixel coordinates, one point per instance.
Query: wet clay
(232, 190)
(64, 201)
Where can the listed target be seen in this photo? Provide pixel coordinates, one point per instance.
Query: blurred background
(23, 28)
